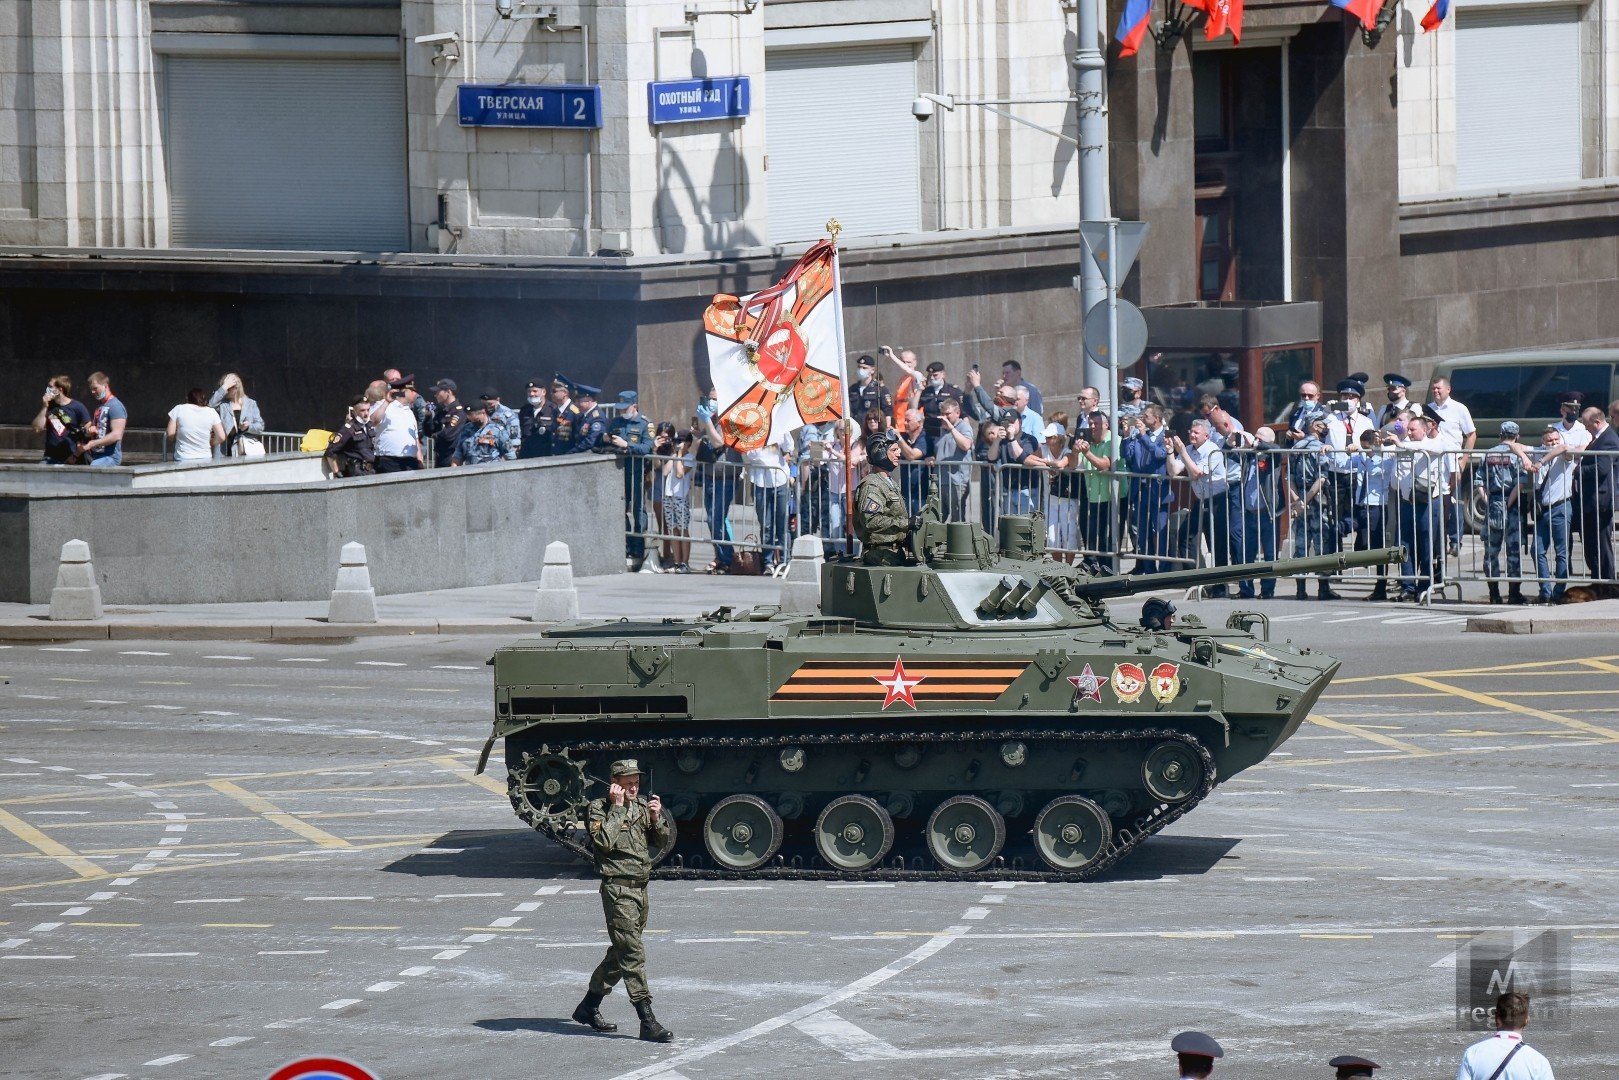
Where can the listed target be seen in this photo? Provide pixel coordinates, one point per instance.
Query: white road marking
(233, 1040)
(852, 1041)
(862, 885)
(12, 943)
(156, 955)
(35, 956)
(1571, 785)
(339, 898)
(249, 657)
(216, 712)
(62, 648)
(212, 900)
(73, 911)
(302, 660)
(510, 920)
(992, 899)
(1272, 880)
(341, 1003)
(169, 1060)
(279, 1024)
(39, 697)
(448, 954)
(100, 896)
(1350, 618)
(413, 972)
(459, 667)
(44, 928)
(548, 890)
(382, 987)
(22, 761)
(1413, 878)
(379, 663)
(292, 952)
(103, 701)
(531, 905)
(976, 913)
(166, 708)
(59, 813)
(99, 1076)
(793, 1016)
(465, 895)
(474, 939)
(142, 652)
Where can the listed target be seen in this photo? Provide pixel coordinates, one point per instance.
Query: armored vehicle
(975, 712)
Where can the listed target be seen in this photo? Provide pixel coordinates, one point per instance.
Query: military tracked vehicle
(976, 712)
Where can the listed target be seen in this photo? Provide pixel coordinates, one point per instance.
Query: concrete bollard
(353, 598)
(76, 597)
(801, 584)
(556, 600)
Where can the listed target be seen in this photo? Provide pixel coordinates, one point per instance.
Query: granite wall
(442, 529)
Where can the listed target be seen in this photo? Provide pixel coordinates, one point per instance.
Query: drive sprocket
(547, 789)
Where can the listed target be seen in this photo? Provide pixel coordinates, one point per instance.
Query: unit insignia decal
(1087, 685)
(1128, 682)
(1166, 682)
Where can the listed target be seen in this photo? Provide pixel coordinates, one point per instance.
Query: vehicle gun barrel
(1098, 588)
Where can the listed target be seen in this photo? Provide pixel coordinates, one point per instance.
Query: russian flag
(1133, 26)
(1436, 15)
(1224, 15)
(1364, 10)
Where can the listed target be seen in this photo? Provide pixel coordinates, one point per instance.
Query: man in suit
(1596, 483)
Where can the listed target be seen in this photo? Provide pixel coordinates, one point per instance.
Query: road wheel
(1071, 833)
(742, 832)
(965, 833)
(1172, 772)
(853, 833)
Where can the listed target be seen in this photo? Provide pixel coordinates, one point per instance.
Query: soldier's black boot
(1515, 594)
(651, 1030)
(1323, 590)
(1495, 593)
(1304, 592)
(588, 1013)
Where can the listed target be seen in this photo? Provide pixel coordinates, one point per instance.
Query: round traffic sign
(1132, 333)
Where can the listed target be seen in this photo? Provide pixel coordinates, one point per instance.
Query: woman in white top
(194, 428)
(676, 480)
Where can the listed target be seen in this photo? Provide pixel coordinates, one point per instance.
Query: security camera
(922, 109)
(447, 38)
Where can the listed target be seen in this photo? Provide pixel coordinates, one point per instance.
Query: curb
(302, 630)
(1601, 616)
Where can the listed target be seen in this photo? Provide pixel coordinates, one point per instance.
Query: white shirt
(396, 431)
(1211, 461)
(193, 430)
(1448, 442)
(1576, 437)
(1343, 436)
(767, 466)
(1483, 1057)
(1419, 465)
(678, 488)
(1455, 419)
(1555, 481)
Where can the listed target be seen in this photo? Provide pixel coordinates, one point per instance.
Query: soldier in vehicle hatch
(881, 518)
(625, 830)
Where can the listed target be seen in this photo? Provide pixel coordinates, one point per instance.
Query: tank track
(1122, 843)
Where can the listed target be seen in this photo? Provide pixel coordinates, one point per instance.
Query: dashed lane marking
(37, 840)
(379, 663)
(142, 652)
(274, 814)
(292, 952)
(223, 657)
(170, 1059)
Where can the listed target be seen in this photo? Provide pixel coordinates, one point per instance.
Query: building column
(1345, 195)
(1151, 159)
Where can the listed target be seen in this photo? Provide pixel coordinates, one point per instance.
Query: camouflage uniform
(881, 518)
(623, 839)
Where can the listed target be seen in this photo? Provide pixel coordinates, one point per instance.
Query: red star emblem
(899, 685)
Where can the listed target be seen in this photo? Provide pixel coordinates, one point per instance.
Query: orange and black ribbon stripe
(942, 680)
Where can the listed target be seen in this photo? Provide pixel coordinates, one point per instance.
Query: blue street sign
(684, 100)
(563, 106)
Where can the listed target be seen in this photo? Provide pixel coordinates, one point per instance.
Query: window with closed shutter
(286, 153)
(1517, 96)
(842, 141)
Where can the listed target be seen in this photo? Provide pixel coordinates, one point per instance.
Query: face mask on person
(936, 381)
(536, 400)
(100, 393)
(864, 374)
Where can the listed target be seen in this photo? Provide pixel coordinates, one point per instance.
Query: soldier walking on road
(625, 830)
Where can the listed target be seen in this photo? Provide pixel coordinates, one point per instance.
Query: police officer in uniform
(625, 830)
(867, 393)
(1196, 1052)
(1349, 1066)
(353, 449)
(532, 441)
(881, 519)
(1398, 403)
(590, 424)
(444, 425)
(630, 435)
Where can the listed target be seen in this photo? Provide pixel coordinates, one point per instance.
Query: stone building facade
(288, 189)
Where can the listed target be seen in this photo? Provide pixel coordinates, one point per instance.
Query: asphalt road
(216, 858)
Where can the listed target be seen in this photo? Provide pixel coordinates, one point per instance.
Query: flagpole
(835, 227)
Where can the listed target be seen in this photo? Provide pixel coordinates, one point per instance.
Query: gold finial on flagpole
(834, 227)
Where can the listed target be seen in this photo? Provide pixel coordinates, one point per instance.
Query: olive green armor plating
(975, 712)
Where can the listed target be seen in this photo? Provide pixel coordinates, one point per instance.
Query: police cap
(1351, 386)
(489, 394)
(1432, 414)
(1348, 1065)
(1197, 1043)
(625, 767)
(936, 365)
(581, 390)
(1360, 377)
(443, 384)
(403, 382)
(1570, 397)
(866, 361)
(1393, 379)
(626, 398)
(563, 381)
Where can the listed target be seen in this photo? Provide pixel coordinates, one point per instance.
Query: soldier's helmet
(1157, 613)
(877, 447)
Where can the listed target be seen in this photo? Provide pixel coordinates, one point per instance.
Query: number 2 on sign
(578, 108)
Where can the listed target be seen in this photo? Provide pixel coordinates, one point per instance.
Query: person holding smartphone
(64, 422)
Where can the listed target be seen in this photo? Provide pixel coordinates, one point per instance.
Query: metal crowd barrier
(1471, 516)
